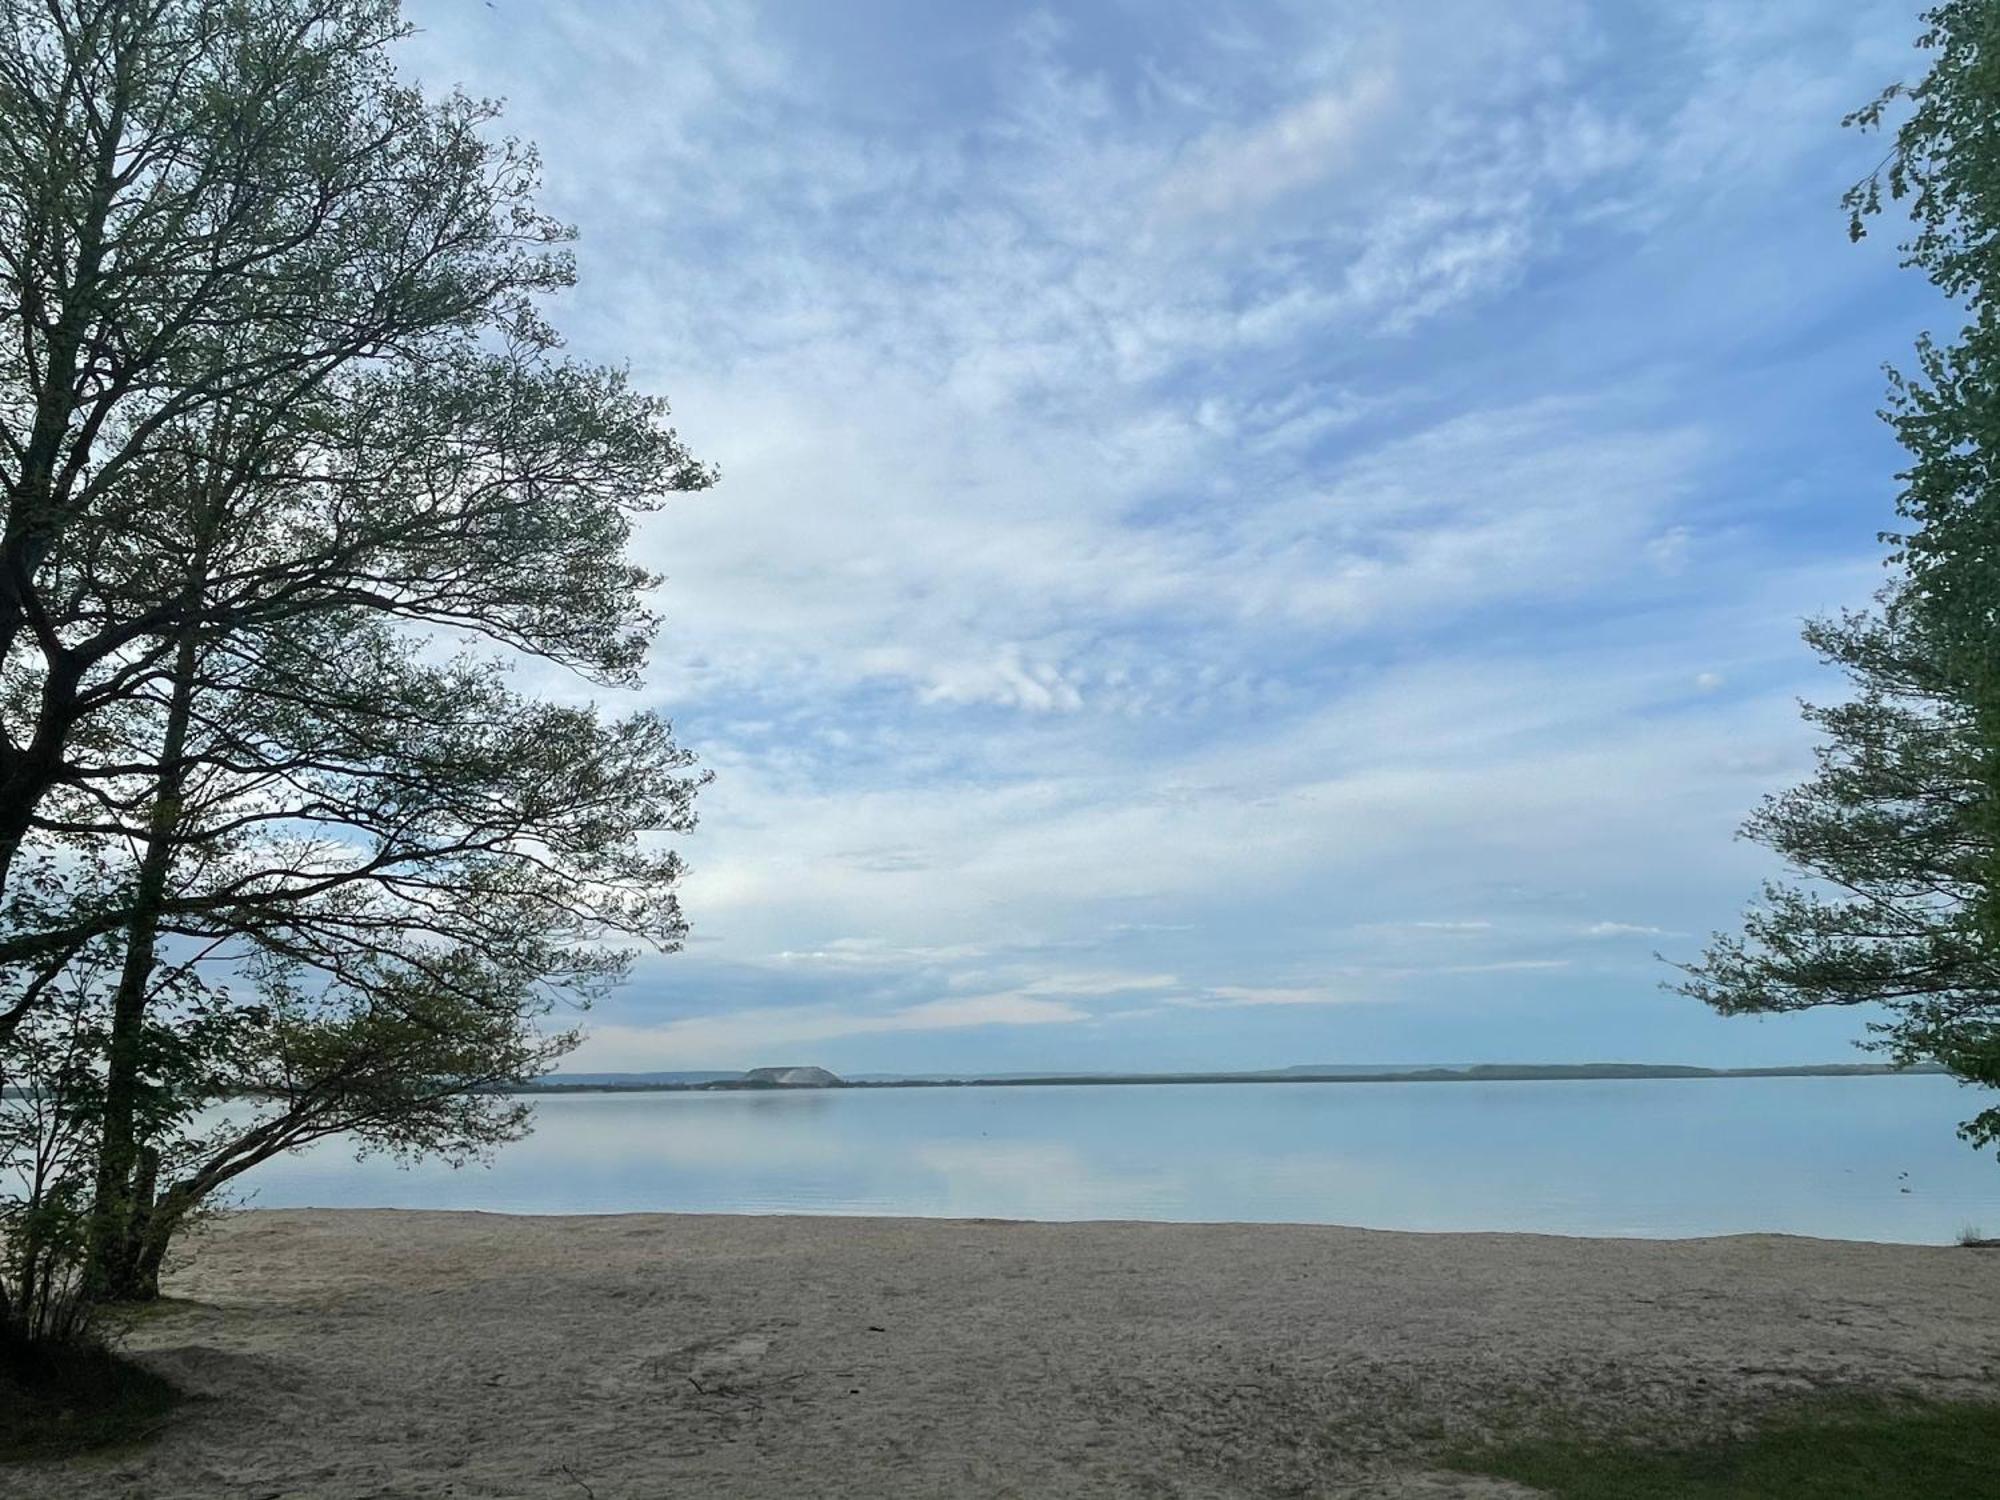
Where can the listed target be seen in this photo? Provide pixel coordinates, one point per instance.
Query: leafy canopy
(1896, 837)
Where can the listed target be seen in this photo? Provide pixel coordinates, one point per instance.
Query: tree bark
(126, 1170)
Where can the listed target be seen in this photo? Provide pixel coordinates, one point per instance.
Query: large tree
(1893, 857)
(293, 470)
(1897, 836)
(420, 858)
(241, 263)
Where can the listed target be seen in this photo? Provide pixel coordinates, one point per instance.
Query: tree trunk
(150, 1250)
(126, 1170)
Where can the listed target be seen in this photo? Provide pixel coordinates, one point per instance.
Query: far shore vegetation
(1472, 1073)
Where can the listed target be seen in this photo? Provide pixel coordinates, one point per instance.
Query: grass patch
(58, 1403)
(1856, 1451)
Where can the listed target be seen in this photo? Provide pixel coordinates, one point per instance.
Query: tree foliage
(1890, 836)
(295, 478)
(263, 293)
(1897, 835)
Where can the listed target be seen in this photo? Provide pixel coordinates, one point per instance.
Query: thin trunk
(151, 1230)
(118, 1215)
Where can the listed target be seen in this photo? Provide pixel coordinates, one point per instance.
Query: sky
(1249, 534)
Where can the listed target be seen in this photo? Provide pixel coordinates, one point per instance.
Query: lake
(1854, 1158)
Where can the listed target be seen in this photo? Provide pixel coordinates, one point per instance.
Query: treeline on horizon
(1471, 1073)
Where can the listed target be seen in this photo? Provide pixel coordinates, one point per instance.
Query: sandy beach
(361, 1353)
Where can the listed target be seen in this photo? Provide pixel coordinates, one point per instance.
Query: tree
(204, 203)
(302, 784)
(1891, 834)
(395, 1065)
(418, 861)
(1898, 833)
(241, 264)
(293, 469)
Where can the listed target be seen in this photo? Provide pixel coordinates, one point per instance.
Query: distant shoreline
(1476, 1073)
(1473, 1073)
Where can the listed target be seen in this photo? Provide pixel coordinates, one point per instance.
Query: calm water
(1821, 1156)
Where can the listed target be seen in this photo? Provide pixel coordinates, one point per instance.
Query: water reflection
(1655, 1157)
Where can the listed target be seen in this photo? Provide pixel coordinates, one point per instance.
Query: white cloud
(1669, 550)
(1232, 169)
(1236, 996)
(1505, 966)
(1438, 926)
(1080, 985)
(876, 953)
(752, 1036)
(1150, 516)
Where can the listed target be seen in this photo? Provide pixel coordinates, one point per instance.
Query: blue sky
(1249, 534)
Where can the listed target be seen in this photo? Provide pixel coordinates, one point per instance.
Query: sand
(374, 1353)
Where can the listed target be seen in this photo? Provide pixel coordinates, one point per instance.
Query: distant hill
(790, 1078)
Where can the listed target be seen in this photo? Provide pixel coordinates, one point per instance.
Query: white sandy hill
(793, 1078)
